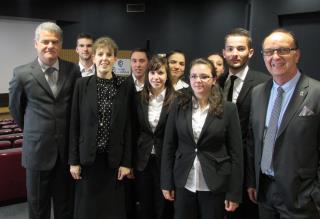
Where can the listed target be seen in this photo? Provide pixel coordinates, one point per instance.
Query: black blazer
(145, 137)
(84, 125)
(43, 118)
(219, 150)
(252, 79)
(296, 157)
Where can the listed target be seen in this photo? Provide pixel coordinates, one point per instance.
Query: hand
(230, 206)
(131, 174)
(169, 195)
(122, 172)
(252, 193)
(75, 171)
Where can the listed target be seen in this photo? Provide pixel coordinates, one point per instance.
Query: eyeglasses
(201, 77)
(280, 51)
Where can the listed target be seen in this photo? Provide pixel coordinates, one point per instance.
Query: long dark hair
(155, 64)
(215, 98)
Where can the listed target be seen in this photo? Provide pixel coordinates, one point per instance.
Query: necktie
(230, 92)
(269, 140)
(52, 80)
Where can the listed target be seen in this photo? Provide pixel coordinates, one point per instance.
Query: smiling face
(104, 59)
(157, 79)
(177, 66)
(281, 67)
(237, 52)
(201, 80)
(48, 46)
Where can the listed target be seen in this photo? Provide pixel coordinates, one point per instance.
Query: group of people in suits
(212, 148)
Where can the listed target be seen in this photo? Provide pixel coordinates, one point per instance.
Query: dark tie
(230, 92)
(52, 80)
(269, 140)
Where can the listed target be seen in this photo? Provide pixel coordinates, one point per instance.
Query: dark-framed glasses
(280, 51)
(201, 77)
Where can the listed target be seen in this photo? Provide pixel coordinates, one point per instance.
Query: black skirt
(99, 194)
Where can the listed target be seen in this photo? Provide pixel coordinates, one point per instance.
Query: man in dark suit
(139, 60)
(285, 137)
(237, 53)
(40, 95)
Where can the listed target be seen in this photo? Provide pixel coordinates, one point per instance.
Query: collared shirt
(87, 72)
(180, 85)
(288, 88)
(154, 111)
(44, 68)
(196, 181)
(238, 83)
(139, 86)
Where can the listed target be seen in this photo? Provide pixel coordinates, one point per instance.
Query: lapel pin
(301, 93)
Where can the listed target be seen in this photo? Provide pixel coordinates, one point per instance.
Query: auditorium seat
(17, 143)
(9, 137)
(17, 130)
(5, 131)
(12, 175)
(11, 126)
(5, 145)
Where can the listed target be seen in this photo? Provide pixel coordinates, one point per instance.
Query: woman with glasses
(153, 104)
(202, 161)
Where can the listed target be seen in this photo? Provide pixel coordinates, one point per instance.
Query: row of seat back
(5, 144)
(12, 175)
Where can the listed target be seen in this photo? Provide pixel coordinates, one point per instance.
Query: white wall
(16, 47)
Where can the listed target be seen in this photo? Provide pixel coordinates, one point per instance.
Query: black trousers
(55, 184)
(199, 205)
(152, 204)
(272, 205)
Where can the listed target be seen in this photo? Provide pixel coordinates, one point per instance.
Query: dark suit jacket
(252, 79)
(43, 118)
(146, 138)
(296, 158)
(219, 150)
(84, 125)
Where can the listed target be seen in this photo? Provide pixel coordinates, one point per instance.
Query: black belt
(267, 177)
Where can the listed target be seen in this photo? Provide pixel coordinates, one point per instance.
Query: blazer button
(196, 150)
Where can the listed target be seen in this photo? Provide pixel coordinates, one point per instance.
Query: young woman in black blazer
(152, 106)
(100, 138)
(202, 157)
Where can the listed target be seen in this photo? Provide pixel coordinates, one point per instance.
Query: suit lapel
(62, 76)
(92, 96)
(297, 98)
(145, 107)
(207, 122)
(262, 108)
(188, 115)
(162, 118)
(247, 84)
(39, 75)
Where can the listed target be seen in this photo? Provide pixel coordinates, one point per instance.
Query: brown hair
(155, 64)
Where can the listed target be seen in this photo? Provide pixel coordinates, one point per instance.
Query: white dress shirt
(154, 111)
(196, 181)
(238, 83)
(180, 85)
(87, 72)
(139, 86)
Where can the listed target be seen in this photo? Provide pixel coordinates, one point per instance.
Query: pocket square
(306, 112)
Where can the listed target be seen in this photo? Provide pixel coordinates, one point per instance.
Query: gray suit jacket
(43, 118)
(296, 158)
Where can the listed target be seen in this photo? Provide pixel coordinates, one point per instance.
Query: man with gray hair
(40, 95)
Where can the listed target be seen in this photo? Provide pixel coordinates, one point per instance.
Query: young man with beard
(237, 84)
